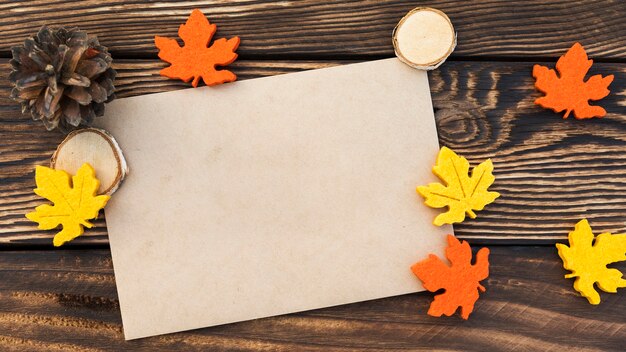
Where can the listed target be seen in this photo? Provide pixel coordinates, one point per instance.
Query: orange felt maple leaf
(195, 59)
(570, 92)
(460, 280)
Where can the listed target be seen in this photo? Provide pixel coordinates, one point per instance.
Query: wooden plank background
(551, 172)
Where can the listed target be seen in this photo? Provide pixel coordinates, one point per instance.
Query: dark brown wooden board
(332, 29)
(551, 172)
(66, 300)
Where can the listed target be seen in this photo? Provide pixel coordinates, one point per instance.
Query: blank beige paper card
(272, 195)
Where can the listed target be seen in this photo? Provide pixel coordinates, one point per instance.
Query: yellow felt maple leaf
(461, 194)
(588, 262)
(196, 59)
(75, 202)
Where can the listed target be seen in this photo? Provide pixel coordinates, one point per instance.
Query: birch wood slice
(96, 147)
(424, 38)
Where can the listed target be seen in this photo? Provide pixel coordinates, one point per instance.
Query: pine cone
(63, 77)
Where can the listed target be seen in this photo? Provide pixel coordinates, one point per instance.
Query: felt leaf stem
(461, 280)
(75, 201)
(587, 260)
(569, 91)
(196, 59)
(462, 194)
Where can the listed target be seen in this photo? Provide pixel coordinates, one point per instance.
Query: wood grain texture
(66, 300)
(551, 172)
(332, 29)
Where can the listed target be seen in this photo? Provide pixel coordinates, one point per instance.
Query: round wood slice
(424, 38)
(99, 149)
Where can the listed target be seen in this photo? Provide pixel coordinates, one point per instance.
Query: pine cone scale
(39, 104)
(98, 94)
(36, 55)
(59, 58)
(79, 94)
(87, 113)
(25, 81)
(72, 113)
(92, 68)
(25, 94)
(71, 59)
(76, 80)
(20, 58)
(52, 100)
(52, 83)
(52, 123)
(56, 97)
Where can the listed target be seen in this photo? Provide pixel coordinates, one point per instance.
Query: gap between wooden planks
(551, 172)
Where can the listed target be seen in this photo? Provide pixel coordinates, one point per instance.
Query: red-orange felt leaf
(460, 280)
(570, 92)
(196, 59)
